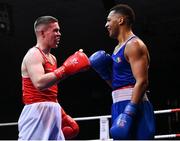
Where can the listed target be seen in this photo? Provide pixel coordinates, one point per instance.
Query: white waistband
(124, 94)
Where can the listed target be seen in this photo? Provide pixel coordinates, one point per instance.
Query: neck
(45, 49)
(124, 35)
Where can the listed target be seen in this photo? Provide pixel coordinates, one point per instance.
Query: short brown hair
(44, 20)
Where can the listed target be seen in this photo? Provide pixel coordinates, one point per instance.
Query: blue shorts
(144, 123)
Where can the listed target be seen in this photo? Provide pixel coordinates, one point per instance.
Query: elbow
(145, 84)
(39, 86)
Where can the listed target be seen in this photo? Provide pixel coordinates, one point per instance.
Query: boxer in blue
(126, 71)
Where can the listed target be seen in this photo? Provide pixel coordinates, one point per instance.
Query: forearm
(138, 91)
(46, 81)
(73, 64)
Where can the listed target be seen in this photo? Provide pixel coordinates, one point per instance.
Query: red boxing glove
(69, 126)
(73, 64)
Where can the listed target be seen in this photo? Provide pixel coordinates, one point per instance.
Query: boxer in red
(41, 117)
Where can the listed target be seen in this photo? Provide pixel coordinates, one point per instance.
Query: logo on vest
(118, 60)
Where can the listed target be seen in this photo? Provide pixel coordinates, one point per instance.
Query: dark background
(82, 26)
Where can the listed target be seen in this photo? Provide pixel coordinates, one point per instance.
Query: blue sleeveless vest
(122, 73)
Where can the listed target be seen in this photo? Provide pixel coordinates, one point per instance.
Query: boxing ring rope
(104, 124)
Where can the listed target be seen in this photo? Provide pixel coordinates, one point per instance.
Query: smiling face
(47, 31)
(52, 35)
(112, 24)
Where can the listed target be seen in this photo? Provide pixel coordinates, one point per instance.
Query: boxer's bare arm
(33, 64)
(138, 58)
(32, 67)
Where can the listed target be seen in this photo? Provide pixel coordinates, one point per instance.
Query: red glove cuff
(60, 72)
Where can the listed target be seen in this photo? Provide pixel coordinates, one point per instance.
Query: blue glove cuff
(131, 109)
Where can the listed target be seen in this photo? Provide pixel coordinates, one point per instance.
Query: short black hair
(125, 10)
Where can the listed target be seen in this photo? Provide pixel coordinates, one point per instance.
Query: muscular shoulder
(135, 48)
(135, 43)
(33, 54)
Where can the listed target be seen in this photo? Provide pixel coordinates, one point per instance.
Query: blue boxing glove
(121, 127)
(101, 62)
